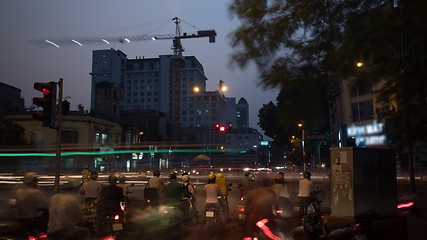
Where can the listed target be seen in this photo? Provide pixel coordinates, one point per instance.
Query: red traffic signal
(222, 129)
(47, 102)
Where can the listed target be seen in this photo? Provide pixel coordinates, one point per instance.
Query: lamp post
(222, 88)
(304, 158)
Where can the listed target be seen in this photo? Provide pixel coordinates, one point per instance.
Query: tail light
(38, 236)
(405, 205)
(241, 209)
(117, 217)
(148, 200)
(122, 208)
(109, 238)
(357, 228)
(279, 211)
(165, 211)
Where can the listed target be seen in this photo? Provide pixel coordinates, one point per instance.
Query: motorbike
(110, 221)
(241, 216)
(15, 230)
(314, 227)
(159, 222)
(12, 230)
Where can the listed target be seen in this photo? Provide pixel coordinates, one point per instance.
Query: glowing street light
(359, 64)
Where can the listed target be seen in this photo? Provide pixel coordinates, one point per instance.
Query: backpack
(186, 192)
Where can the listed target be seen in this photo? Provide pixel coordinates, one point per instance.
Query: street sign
(315, 135)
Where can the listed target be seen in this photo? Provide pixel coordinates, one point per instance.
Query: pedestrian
(65, 213)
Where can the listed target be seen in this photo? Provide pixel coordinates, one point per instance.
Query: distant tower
(242, 113)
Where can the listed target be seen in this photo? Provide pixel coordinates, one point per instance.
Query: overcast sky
(23, 63)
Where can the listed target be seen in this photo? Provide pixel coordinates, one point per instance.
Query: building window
(362, 111)
(69, 137)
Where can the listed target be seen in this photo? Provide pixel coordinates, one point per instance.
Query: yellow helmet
(211, 176)
(220, 175)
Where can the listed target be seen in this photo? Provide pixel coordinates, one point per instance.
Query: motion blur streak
(405, 205)
(266, 230)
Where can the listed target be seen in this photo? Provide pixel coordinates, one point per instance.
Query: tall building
(165, 84)
(242, 113)
(238, 114)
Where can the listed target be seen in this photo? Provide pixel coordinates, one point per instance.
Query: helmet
(94, 175)
(185, 178)
(85, 167)
(220, 175)
(251, 177)
(247, 174)
(172, 175)
(30, 177)
(112, 178)
(156, 173)
(185, 173)
(121, 178)
(307, 175)
(279, 176)
(211, 176)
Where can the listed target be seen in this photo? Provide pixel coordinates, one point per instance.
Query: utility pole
(58, 138)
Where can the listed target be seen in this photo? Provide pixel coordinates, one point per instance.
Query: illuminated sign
(264, 143)
(369, 134)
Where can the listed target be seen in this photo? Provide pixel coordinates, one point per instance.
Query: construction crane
(176, 39)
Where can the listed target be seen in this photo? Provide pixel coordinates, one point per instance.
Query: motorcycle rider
(91, 190)
(64, 213)
(280, 187)
(260, 203)
(29, 201)
(173, 191)
(188, 193)
(156, 183)
(222, 182)
(85, 173)
(305, 186)
(111, 196)
(122, 183)
(212, 191)
(248, 184)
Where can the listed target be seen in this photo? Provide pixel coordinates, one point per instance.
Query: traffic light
(230, 127)
(217, 127)
(222, 129)
(47, 102)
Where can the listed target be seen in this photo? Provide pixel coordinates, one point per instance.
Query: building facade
(10, 98)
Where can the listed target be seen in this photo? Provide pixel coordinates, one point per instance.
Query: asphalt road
(415, 220)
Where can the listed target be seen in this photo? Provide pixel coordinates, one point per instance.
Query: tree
(11, 134)
(309, 43)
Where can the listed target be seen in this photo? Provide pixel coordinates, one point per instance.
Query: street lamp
(304, 158)
(222, 88)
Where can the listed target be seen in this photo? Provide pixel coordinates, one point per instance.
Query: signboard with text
(315, 135)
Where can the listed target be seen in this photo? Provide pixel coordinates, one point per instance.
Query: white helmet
(185, 178)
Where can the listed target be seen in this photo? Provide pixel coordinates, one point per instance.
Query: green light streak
(113, 152)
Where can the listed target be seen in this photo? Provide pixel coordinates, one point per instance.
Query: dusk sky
(23, 63)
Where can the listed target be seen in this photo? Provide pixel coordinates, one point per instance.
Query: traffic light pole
(58, 138)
